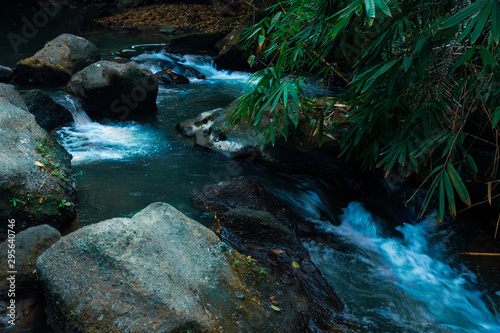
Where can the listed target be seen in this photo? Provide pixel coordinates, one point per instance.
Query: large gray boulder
(48, 114)
(159, 271)
(56, 62)
(35, 174)
(116, 90)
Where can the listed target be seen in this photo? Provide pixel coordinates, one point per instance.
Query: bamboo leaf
(481, 21)
(261, 40)
(495, 21)
(486, 56)
(370, 8)
(407, 63)
(378, 73)
(496, 117)
(383, 7)
(285, 95)
(471, 163)
(274, 20)
(450, 195)
(430, 193)
(420, 44)
(441, 201)
(465, 13)
(458, 184)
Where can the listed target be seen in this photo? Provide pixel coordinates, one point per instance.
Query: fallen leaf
(278, 251)
(258, 293)
(40, 165)
(256, 301)
(295, 264)
(40, 200)
(275, 308)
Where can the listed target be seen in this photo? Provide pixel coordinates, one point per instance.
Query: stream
(404, 280)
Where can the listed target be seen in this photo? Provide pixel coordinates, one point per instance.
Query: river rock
(10, 95)
(29, 245)
(48, 114)
(260, 225)
(208, 130)
(158, 271)
(169, 77)
(180, 68)
(109, 89)
(35, 178)
(56, 62)
(247, 193)
(232, 59)
(5, 74)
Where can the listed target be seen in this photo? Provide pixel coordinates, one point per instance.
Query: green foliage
(423, 85)
(64, 203)
(14, 201)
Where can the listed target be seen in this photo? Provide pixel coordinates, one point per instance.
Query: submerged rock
(5, 74)
(48, 114)
(160, 271)
(116, 90)
(56, 62)
(35, 178)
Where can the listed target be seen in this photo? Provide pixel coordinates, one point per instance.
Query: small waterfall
(79, 116)
(405, 284)
(89, 141)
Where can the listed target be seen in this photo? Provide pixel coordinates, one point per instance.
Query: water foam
(88, 141)
(414, 265)
(122, 141)
(203, 64)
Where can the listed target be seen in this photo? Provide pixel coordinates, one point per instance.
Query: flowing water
(390, 281)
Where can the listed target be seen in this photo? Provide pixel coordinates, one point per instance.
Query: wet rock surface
(169, 77)
(247, 193)
(35, 178)
(258, 224)
(56, 62)
(116, 90)
(208, 131)
(161, 272)
(48, 114)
